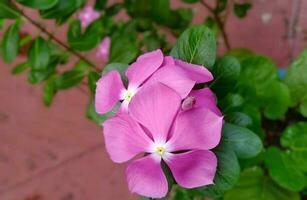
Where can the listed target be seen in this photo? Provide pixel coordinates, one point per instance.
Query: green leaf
(20, 68)
(226, 72)
(10, 43)
(296, 79)
(232, 102)
(72, 77)
(211, 23)
(114, 9)
(120, 67)
(241, 10)
(239, 118)
(196, 45)
(228, 171)
(303, 106)
(257, 73)
(38, 4)
(97, 118)
(122, 50)
(245, 143)
(190, 1)
(222, 4)
(62, 10)
(240, 53)
(37, 76)
(83, 41)
(295, 138)
(277, 100)
(283, 171)
(92, 78)
(7, 10)
(39, 54)
(100, 4)
(49, 90)
(254, 185)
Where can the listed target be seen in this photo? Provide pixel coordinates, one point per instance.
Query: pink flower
(87, 16)
(102, 51)
(149, 68)
(156, 126)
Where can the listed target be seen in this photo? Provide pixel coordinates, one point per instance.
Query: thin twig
(50, 35)
(219, 22)
(294, 19)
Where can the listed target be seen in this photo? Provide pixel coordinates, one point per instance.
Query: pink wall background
(56, 154)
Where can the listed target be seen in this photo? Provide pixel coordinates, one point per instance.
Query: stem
(50, 35)
(219, 22)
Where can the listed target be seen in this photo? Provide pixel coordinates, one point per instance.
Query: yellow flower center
(160, 150)
(128, 95)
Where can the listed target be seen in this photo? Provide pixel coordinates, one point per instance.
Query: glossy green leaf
(296, 79)
(222, 4)
(62, 10)
(114, 9)
(295, 138)
(83, 41)
(277, 100)
(72, 77)
(283, 170)
(49, 90)
(232, 102)
(97, 118)
(120, 67)
(228, 171)
(303, 106)
(239, 118)
(20, 68)
(254, 185)
(38, 4)
(36, 76)
(240, 53)
(226, 72)
(196, 45)
(190, 1)
(245, 143)
(241, 10)
(39, 54)
(92, 78)
(10, 43)
(122, 50)
(257, 73)
(100, 4)
(7, 10)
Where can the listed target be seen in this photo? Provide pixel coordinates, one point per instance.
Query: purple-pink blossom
(157, 125)
(87, 16)
(148, 69)
(103, 49)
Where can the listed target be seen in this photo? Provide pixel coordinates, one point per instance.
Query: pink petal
(144, 67)
(175, 78)
(124, 138)
(102, 51)
(155, 107)
(145, 177)
(108, 91)
(193, 168)
(197, 73)
(87, 16)
(196, 129)
(205, 98)
(168, 60)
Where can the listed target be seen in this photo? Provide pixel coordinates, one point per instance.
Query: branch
(65, 46)
(219, 22)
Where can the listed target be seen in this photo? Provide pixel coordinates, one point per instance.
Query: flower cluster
(163, 119)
